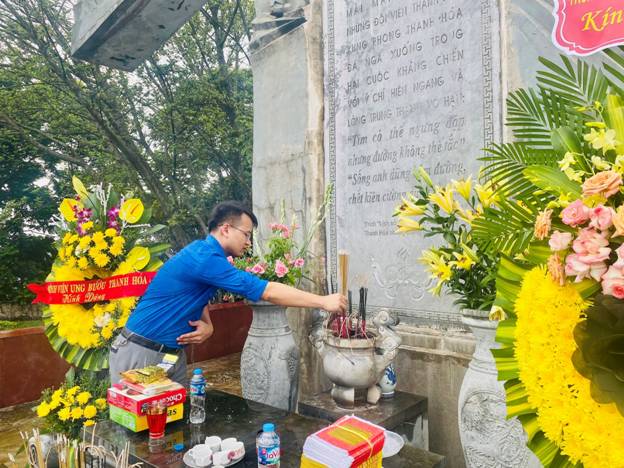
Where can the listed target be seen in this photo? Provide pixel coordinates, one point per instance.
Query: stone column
(287, 63)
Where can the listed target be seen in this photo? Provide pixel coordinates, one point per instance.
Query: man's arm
(203, 330)
(281, 294)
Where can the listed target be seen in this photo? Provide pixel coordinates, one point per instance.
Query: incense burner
(354, 366)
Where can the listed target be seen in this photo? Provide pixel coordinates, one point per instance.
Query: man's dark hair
(227, 211)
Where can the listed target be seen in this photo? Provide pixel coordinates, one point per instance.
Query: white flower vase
(488, 438)
(270, 359)
(388, 382)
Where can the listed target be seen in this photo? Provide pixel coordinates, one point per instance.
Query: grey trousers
(125, 355)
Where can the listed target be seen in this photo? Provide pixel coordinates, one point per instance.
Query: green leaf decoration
(566, 140)
(552, 180)
(614, 118)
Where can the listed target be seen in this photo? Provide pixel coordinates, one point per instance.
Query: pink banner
(583, 27)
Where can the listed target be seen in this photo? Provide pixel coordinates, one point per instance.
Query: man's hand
(335, 303)
(203, 331)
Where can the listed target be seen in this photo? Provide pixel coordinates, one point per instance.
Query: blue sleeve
(218, 272)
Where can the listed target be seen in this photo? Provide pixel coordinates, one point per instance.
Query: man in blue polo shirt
(172, 312)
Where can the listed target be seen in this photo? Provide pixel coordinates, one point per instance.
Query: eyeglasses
(247, 234)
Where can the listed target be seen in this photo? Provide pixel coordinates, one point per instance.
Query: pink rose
(605, 183)
(280, 269)
(230, 259)
(575, 214)
(619, 263)
(273, 226)
(258, 269)
(601, 217)
(613, 283)
(592, 246)
(559, 241)
(299, 262)
(576, 267)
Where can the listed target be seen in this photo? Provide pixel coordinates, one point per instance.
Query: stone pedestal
(405, 414)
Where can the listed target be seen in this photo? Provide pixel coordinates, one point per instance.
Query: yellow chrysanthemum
(90, 411)
(89, 422)
(101, 260)
(100, 403)
(83, 397)
(84, 243)
(586, 431)
(116, 249)
(43, 409)
(107, 331)
(54, 403)
(64, 413)
(110, 232)
(98, 236)
(76, 413)
(66, 238)
(87, 226)
(83, 263)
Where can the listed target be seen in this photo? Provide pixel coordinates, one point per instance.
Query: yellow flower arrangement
(586, 431)
(67, 409)
(95, 243)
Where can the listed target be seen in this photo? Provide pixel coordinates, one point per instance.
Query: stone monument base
(405, 414)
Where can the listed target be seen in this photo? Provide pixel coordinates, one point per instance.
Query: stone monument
(358, 93)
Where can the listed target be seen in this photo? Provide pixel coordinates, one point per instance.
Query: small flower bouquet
(448, 212)
(282, 261)
(67, 409)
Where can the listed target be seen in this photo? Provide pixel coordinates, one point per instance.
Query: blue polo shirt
(183, 286)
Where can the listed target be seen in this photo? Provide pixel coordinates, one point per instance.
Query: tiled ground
(221, 374)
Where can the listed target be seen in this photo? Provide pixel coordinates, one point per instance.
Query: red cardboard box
(133, 402)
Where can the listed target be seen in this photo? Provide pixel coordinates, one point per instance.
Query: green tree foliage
(26, 251)
(177, 131)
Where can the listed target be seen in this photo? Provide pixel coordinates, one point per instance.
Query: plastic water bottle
(268, 447)
(198, 397)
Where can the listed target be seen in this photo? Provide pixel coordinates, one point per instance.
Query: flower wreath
(101, 236)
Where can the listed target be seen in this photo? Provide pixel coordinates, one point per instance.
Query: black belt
(146, 343)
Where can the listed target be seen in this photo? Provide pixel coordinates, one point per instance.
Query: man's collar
(213, 241)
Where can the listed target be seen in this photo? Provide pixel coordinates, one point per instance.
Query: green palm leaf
(508, 228)
(579, 86)
(505, 164)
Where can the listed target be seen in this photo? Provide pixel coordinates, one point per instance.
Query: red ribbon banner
(583, 27)
(80, 292)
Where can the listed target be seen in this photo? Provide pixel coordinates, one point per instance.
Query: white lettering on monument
(409, 83)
